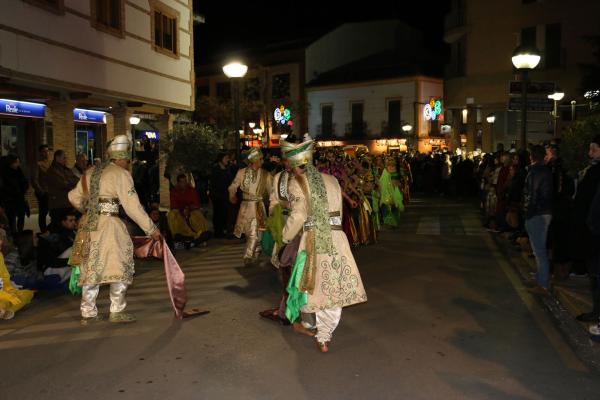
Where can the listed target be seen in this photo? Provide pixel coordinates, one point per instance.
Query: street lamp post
(406, 128)
(235, 71)
(557, 96)
(524, 59)
(491, 118)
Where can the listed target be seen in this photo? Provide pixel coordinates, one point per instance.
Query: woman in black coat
(14, 187)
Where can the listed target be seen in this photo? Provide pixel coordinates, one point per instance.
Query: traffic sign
(533, 104)
(533, 88)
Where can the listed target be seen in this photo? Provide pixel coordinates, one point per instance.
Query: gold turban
(298, 154)
(119, 148)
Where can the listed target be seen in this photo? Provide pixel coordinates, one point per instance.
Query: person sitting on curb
(186, 222)
(12, 299)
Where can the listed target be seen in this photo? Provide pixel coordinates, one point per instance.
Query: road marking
(564, 351)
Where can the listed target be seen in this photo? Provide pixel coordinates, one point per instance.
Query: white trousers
(253, 238)
(327, 321)
(90, 293)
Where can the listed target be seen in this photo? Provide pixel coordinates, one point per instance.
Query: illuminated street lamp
(406, 128)
(235, 71)
(525, 58)
(491, 118)
(557, 96)
(251, 125)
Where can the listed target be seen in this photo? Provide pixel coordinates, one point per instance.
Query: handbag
(81, 244)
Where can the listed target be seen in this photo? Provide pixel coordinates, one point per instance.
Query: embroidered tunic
(111, 250)
(254, 185)
(337, 281)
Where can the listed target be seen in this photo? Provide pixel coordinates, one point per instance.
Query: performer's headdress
(254, 154)
(119, 148)
(298, 154)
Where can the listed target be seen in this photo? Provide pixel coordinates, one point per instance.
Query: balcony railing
(325, 131)
(356, 130)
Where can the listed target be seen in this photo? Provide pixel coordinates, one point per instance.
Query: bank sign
(22, 108)
(89, 116)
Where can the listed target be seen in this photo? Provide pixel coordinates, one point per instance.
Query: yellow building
(483, 36)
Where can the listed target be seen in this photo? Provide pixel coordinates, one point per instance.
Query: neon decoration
(433, 110)
(282, 115)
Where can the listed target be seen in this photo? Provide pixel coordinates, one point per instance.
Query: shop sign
(433, 110)
(152, 135)
(89, 116)
(22, 108)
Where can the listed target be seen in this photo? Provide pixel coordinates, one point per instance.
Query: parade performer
(103, 248)
(325, 277)
(251, 220)
(278, 212)
(390, 194)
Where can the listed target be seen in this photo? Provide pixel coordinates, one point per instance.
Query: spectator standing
(14, 187)
(59, 181)
(81, 164)
(538, 214)
(584, 241)
(38, 178)
(220, 179)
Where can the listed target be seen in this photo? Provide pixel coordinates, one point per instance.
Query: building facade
(88, 66)
(368, 80)
(483, 36)
(374, 112)
(275, 78)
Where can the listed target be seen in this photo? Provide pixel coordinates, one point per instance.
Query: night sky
(252, 24)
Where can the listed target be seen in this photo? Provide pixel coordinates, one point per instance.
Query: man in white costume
(107, 250)
(255, 183)
(329, 277)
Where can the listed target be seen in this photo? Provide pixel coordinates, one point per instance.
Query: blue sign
(89, 116)
(22, 108)
(152, 135)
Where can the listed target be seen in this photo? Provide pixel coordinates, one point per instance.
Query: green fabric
(391, 199)
(92, 207)
(375, 207)
(319, 211)
(297, 151)
(73, 287)
(266, 243)
(296, 298)
(275, 224)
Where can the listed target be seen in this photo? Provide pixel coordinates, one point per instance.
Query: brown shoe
(323, 347)
(298, 328)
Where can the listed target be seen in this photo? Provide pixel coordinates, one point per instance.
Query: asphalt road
(447, 318)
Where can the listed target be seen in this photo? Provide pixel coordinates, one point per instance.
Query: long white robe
(110, 258)
(338, 282)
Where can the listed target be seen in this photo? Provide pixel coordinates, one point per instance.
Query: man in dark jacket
(585, 241)
(59, 181)
(38, 179)
(538, 214)
(12, 193)
(220, 179)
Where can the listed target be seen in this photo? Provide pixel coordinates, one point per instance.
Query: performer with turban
(103, 249)
(255, 183)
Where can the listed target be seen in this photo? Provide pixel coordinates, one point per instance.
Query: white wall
(65, 50)
(374, 97)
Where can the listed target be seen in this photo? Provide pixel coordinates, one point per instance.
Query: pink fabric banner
(145, 247)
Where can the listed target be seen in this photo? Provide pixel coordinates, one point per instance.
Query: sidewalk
(567, 300)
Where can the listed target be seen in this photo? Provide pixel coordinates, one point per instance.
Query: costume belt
(251, 197)
(109, 206)
(335, 220)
